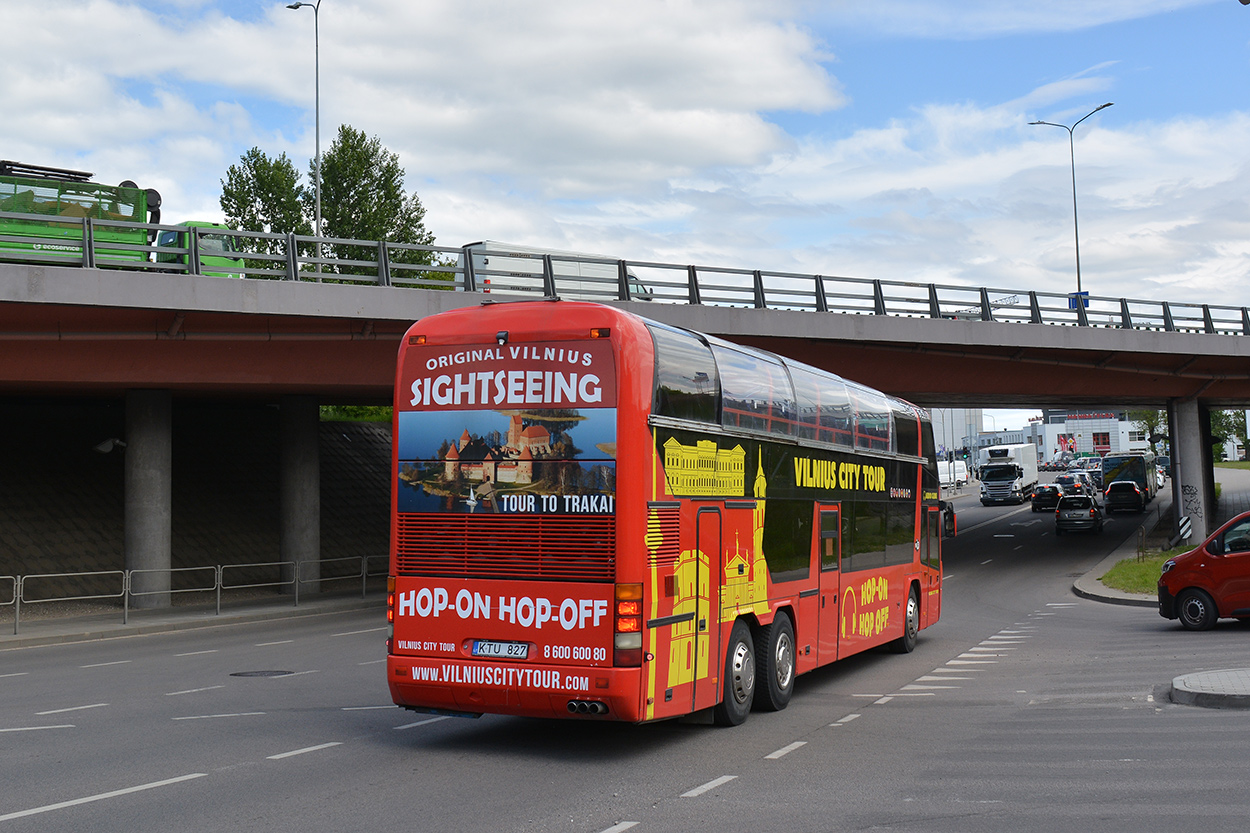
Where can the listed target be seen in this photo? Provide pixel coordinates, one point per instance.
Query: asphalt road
(1024, 708)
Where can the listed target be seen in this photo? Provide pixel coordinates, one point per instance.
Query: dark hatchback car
(1046, 496)
(1211, 581)
(1125, 496)
(1077, 513)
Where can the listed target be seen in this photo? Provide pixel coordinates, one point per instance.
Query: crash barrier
(122, 584)
(292, 257)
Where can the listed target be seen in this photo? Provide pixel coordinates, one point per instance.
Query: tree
(263, 194)
(1223, 427)
(1148, 422)
(363, 198)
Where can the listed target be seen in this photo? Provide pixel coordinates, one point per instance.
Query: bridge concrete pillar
(300, 486)
(148, 495)
(1193, 474)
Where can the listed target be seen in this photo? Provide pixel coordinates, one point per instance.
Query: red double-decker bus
(600, 516)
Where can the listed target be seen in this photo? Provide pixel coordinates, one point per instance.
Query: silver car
(1077, 513)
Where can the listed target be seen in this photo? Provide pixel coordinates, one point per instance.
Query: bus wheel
(911, 626)
(738, 680)
(774, 646)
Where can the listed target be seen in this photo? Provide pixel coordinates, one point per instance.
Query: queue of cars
(1076, 493)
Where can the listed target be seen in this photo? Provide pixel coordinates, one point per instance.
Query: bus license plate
(504, 650)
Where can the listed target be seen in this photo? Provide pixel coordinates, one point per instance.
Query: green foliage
(363, 198)
(355, 413)
(263, 194)
(1150, 422)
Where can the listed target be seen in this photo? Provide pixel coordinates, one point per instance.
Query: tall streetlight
(1072, 155)
(316, 7)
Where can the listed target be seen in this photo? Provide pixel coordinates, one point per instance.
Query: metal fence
(25, 590)
(530, 273)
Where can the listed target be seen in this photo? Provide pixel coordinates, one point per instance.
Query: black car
(1046, 496)
(1077, 513)
(1124, 495)
(1071, 483)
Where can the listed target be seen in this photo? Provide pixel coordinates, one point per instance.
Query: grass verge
(1134, 575)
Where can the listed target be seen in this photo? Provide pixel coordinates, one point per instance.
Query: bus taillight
(627, 636)
(390, 612)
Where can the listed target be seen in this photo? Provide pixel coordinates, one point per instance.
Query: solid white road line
(785, 750)
(295, 752)
(367, 708)
(100, 797)
(709, 786)
(72, 709)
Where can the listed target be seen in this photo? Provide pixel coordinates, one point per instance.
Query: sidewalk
(55, 630)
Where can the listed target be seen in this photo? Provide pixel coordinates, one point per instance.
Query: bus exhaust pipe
(587, 707)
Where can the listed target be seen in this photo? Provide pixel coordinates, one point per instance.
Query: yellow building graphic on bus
(704, 469)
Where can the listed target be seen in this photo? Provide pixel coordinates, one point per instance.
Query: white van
(952, 474)
(509, 268)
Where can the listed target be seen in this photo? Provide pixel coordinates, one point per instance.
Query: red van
(1210, 582)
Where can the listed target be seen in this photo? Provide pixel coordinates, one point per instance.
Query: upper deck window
(686, 384)
(872, 418)
(824, 408)
(755, 391)
(906, 429)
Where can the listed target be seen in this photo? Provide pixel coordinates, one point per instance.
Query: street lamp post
(1072, 155)
(316, 7)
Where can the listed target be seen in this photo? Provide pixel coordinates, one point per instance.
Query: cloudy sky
(885, 139)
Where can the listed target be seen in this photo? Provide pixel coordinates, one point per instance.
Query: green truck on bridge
(48, 211)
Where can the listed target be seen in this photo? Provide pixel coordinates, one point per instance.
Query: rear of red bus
(512, 427)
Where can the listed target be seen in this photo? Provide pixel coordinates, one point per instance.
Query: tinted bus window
(788, 539)
(868, 525)
(807, 402)
(906, 430)
(872, 418)
(686, 385)
(755, 391)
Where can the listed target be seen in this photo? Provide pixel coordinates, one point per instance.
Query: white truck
(1008, 473)
(512, 268)
(952, 473)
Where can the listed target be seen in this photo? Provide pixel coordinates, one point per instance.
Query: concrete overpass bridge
(148, 338)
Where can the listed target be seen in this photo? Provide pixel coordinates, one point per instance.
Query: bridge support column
(300, 484)
(1193, 474)
(148, 495)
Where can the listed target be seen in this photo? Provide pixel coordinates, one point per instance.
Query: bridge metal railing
(291, 257)
(25, 590)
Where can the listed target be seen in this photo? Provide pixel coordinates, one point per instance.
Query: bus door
(931, 574)
(829, 532)
(707, 657)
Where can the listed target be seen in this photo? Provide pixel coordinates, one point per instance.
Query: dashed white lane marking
(196, 653)
(295, 752)
(103, 664)
(882, 701)
(72, 709)
(929, 678)
(1061, 604)
(709, 786)
(930, 688)
(425, 722)
(295, 674)
(100, 797)
(215, 716)
(372, 661)
(785, 750)
(845, 720)
(353, 633)
(16, 674)
(982, 649)
(870, 696)
(972, 662)
(944, 670)
(986, 561)
(619, 827)
(192, 690)
(279, 642)
(37, 728)
(366, 708)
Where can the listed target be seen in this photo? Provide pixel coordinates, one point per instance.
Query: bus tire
(775, 664)
(738, 679)
(906, 643)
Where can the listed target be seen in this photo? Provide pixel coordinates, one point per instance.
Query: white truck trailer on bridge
(1008, 473)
